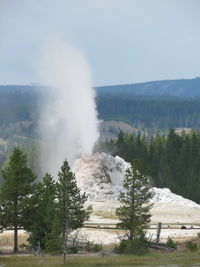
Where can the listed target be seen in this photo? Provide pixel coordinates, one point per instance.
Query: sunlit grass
(185, 259)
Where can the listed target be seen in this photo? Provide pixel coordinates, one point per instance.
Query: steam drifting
(69, 125)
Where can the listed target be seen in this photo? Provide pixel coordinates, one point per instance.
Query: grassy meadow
(159, 259)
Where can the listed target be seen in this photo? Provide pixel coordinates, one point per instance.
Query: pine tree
(134, 214)
(71, 212)
(15, 193)
(43, 200)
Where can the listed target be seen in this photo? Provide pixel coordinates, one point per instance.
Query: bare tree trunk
(65, 234)
(65, 247)
(15, 223)
(15, 239)
(158, 232)
(131, 234)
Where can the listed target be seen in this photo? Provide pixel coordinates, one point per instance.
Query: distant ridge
(186, 88)
(139, 108)
(147, 107)
(180, 88)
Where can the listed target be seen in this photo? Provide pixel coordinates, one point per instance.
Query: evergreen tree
(42, 220)
(15, 193)
(169, 160)
(121, 145)
(70, 209)
(134, 213)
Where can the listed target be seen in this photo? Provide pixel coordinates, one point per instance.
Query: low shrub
(192, 246)
(90, 246)
(73, 250)
(137, 246)
(171, 244)
(24, 247)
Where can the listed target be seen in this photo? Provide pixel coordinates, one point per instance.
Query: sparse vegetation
(93, 247)
(171, 244)
(192, 246)
(137, 246)
(108, 214)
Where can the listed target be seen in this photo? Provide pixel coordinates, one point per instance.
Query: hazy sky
(125, 41)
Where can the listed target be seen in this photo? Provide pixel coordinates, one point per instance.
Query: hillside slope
(180, 88)
(146, 107)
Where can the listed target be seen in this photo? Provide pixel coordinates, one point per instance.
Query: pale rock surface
(101, 177)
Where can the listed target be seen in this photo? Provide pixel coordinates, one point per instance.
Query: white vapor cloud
(69, 124)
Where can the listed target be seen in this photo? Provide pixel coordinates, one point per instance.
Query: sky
(124, 41)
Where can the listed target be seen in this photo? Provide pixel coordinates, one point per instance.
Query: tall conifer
(15, 193)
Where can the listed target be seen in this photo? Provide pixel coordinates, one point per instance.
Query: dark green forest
(152, 106)
(147, 106)
(18, 103)
(171, 160)
(151, 113)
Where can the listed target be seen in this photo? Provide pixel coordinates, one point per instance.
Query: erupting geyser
(69, 125)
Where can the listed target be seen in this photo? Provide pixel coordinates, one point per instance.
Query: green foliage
(169, 161)
(192, 246)
(150, 113)
(93, 247)
(134, 213)
(15, 193)
(25, 247)
(70, 200)
(33, 157)
(43, 200)
(58, 209)
(53, 241)
(137, 246)
(70, 212)
(155, 259)
(170, 243)
(73, 249)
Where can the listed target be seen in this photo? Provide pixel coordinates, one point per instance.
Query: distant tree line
(18, 103)
(171, 160)
(187, 88)
(150, 112)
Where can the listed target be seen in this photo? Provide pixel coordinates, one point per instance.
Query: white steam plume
(69, 124)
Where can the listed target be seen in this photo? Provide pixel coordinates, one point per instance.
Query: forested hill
(18, 103)
(181, 88)
(187, 88)
(149, 106)
(151, 114)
